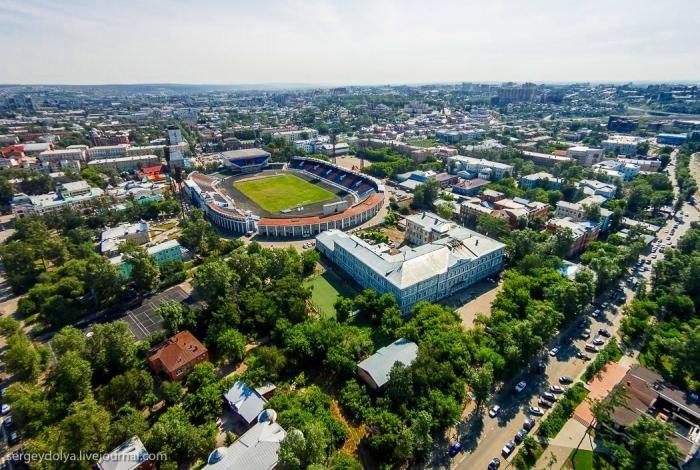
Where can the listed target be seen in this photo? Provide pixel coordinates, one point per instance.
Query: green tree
(145, 274)
(22, 358)
(178, 439)
(31, 408)
(173, 313)
(68, 339)
(231, 345)
(71, 378)
(128, 422)
(214, 280)
(131, 387)
(481, 382)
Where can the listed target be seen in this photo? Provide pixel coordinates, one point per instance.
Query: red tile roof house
(177, 356)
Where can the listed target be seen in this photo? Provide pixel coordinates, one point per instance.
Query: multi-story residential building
(583, 232)
(296, 134)
(545, 159)
(54, 157)
(478, 167)
(73, 194)
(469, 187)
(621, 144)
(174, 135)
(540, 180)
(428, 272)
(125, 163)
(617, 169)
(650, 165)
(594, 187)
(513, 93)
(107, 151)
(578, 212)
(585, 156)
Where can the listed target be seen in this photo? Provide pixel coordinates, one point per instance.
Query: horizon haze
(333, 43)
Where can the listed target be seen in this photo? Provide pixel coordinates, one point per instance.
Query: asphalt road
(484, 437)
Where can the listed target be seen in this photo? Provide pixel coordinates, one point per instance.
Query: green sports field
(280, 192)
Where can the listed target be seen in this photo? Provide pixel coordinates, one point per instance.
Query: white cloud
(364, 41)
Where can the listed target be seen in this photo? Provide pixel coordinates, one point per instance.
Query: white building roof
(126, 456)
(378, 365)
(255, 450)
(413, 265)
(247, 402)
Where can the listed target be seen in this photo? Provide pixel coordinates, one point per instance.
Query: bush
(562, 411)
(610, 353)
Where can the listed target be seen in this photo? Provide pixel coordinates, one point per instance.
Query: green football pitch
(280, 192)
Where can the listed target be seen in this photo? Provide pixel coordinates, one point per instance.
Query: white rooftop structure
(257, 449)
(376, 368)
(127, 456)
(427, 272)
(245, 401)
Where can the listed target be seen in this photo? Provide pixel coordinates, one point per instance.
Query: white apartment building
(107, 151)
(621, 144)
(585, 156)
(479, 167)
(55, 156)
(617, 169)
(298, 134)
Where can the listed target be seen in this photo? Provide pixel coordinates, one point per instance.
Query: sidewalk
(571, 435)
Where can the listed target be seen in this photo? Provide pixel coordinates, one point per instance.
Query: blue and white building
(456, 259)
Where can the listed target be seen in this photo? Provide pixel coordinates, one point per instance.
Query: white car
(493, 412)
(520, 387)
(553, 352)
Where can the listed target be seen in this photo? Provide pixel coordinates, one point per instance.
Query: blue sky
(348, 42)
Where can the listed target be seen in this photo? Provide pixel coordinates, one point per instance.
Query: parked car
(592, 348)
(586, 333)
(535, 410)
(455, 449)
(545, 403)
(528, 424)
(5, 409)
(493, 412)
(519, 436)
(598, 341)
(13, 438)
(604, 332)
(556, 389)
(520, 386)
(508, 448)
(565, 379)
(494, 464)
(553, 352)
(7, 422)
(549, 396)
(595, 313)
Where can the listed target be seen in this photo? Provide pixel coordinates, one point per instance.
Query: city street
(484, 437)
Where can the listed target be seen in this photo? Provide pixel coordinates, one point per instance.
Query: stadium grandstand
(245, 161)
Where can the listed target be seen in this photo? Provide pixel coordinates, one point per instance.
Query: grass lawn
(581, 459)
(276, 193)
(326, 289)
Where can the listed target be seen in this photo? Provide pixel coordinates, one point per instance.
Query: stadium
(297, 199)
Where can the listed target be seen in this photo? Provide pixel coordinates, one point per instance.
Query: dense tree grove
(667, 319)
